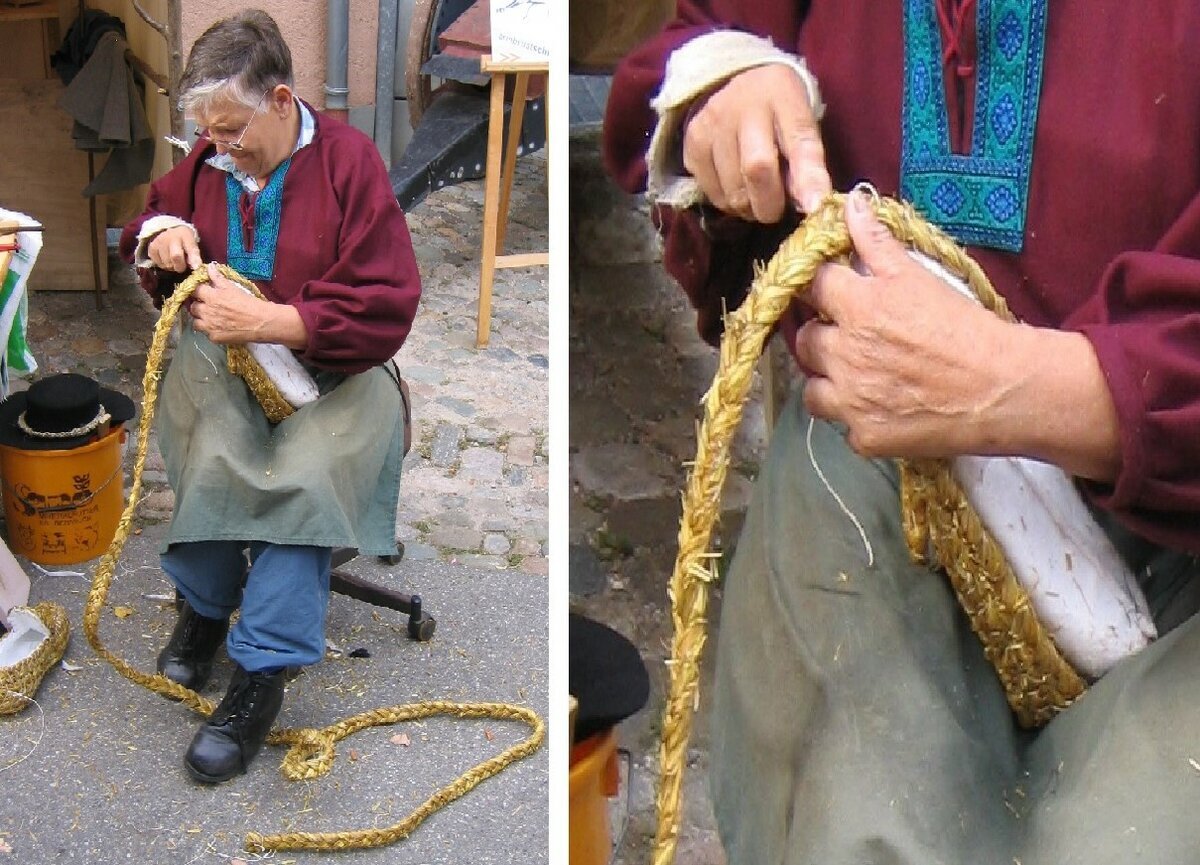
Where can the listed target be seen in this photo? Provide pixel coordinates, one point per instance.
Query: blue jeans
(284, 598)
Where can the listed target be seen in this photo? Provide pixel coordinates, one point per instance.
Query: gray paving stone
(482, 435)
(496, 544)
(445, 448)
(521, 450)
(481, 464)
(456, 538)
(625, 471)
(420, 552)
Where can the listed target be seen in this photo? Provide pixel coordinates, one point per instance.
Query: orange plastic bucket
(63, 506)
(594, 779)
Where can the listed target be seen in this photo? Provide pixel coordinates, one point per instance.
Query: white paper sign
(520, 29)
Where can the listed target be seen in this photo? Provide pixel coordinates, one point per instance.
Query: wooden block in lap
(43, 175)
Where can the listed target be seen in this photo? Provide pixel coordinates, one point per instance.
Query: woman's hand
(227, 315)
(175, 249)
(755, 145)
(915, 369)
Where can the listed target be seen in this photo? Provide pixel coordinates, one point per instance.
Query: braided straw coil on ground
(936, 515)
(20, 681)
(311, 751)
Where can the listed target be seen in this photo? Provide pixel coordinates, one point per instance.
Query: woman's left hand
(914, 369)
(909, 365)
(227, 315)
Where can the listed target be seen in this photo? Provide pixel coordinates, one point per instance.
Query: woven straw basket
(19, 682)
(936, 515)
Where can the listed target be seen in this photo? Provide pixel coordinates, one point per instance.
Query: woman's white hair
(201, 98)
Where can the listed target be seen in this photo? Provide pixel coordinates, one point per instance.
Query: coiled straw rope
(312, 750)
(935, 513)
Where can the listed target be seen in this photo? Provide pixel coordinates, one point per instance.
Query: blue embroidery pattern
(258, 263)
(979, 198)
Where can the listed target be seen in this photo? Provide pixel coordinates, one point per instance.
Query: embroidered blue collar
(252, 253)
(979, 198)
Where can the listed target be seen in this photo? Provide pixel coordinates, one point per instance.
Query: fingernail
(858, 201)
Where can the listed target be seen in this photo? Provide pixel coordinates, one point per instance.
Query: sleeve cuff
(693, 70)
(152, 227)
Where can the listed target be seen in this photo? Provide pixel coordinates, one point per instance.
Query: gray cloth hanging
(105, 101)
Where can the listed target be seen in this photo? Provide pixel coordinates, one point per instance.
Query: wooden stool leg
(491, 210)
(516, 118)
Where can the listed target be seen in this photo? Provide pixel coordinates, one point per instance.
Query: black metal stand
(421, 625)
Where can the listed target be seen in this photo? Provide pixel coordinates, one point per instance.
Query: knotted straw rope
(936, 515)
(312, 750)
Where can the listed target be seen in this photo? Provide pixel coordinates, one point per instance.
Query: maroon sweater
(1112, 233)
(344, 258)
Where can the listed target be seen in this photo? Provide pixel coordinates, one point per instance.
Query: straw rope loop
(934, 512)
(312, 750)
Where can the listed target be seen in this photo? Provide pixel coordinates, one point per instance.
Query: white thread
(812, 459)
(41, 732)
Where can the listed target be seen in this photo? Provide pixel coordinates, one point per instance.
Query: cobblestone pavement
(474, 489)
(638, 370)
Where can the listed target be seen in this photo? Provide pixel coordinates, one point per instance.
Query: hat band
(101, 417)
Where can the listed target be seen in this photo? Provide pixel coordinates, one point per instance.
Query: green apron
(856, 721)
(327, 476)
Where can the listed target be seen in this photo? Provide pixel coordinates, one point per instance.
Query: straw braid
(312, 750)
(1037, 680)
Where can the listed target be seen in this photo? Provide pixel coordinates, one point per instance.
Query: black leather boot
(188, 656)
(226, 743)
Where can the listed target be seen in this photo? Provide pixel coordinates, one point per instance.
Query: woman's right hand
(175, 249)
(754, 145)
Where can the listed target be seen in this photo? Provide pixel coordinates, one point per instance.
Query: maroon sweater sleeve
(170, 195)
(710, 254)
(359, 309)
(1144, 323)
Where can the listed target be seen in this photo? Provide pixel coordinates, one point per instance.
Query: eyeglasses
(235, 145)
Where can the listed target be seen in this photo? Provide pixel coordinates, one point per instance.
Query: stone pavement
(95, 774)
(638, 370)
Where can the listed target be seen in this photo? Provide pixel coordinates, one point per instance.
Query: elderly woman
(300, 204)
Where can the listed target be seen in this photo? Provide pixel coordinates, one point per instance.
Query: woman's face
(256, 139)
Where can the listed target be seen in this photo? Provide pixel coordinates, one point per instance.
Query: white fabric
(152, 227)
(1085, 596)
(26, 633)
(289, 376)
(694, 70)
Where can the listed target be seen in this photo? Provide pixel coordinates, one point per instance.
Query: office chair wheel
(421, 625)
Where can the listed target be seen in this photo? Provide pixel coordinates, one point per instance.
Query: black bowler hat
(60, 412)
(607, 677)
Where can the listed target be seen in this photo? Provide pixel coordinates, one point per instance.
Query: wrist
(1052, 403)
(282, 324)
